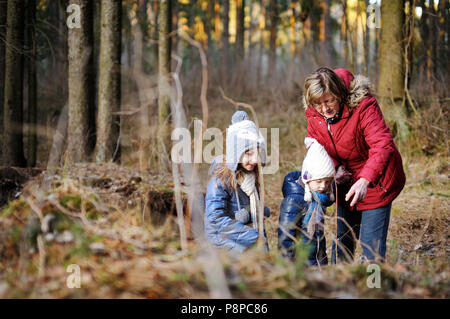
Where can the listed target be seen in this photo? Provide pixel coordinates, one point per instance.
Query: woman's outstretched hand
(358, 191)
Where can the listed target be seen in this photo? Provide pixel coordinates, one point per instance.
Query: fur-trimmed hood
(358, 87)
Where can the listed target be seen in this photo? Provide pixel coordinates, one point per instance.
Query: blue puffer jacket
(292, 211)
(292, 208)
(221, 228)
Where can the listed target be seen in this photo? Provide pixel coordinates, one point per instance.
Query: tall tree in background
(32, 83)
(273, 13)
(3, 9)
(108, 123)
(164, 43)
(444, 29)
(328, 51)
(434, 37)
(13, 93)
(391, 88)
(225, 40)
(425, 39)
(80, 82)
(154, 33)
(240, 28)
(344, 32)
(391, 82)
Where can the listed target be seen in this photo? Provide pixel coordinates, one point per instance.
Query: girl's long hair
(225, 175)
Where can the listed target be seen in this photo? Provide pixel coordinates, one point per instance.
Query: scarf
(313, 219)
(335, 118)
(248, 186)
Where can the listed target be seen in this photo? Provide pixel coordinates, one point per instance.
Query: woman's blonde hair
(324, 80)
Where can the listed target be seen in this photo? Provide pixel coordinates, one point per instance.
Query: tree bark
(225, 41)
(392, 68)
(13, 154)
(108, 123)
(155, 36)
(259, 65)
(32, 84)
(444, 7)
(344, 33)
(3, 10)
(273, 12)
(425, 41)
(240, 29)
(80, 82)
(329, 57)
(434, 38)
(165, 18)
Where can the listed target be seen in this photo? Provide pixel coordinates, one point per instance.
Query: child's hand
(358, 191)
(242, 216)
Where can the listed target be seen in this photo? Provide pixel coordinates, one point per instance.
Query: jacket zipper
(332, 141)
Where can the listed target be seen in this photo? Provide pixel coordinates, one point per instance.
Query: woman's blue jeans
(370, 226)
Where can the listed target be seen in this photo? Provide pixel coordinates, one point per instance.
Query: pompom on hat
(316, 165)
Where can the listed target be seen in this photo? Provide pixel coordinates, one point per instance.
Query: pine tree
(109, 82)
(80, 82)
(13, 93)
(32, 83)
(164, 57)
(391, 82)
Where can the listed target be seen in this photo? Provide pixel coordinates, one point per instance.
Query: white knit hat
(243, 135)
(316, 165)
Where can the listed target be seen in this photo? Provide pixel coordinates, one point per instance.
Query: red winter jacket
(361, 141)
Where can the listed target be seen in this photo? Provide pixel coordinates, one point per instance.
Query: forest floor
(118, 225)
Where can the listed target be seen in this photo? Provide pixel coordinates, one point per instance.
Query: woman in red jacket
(346, 119)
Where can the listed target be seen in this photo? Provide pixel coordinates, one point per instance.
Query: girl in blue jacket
(306, 196)
(232, 196)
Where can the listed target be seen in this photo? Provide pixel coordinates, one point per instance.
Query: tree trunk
(175, 10)
(142, 26)
(391, 85)
(240, 29)
(329, 57)
(13, 97)
(80, 82)
(292, 21)
(165, 18)
(273, 9)
(425, 41)
(434, 38)
(392, 70)
(344, 32)
(259, 65)
(108, 123)
(444, 7)
(226, 42)
(3, 9)
(155, 36)
(32, 88)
